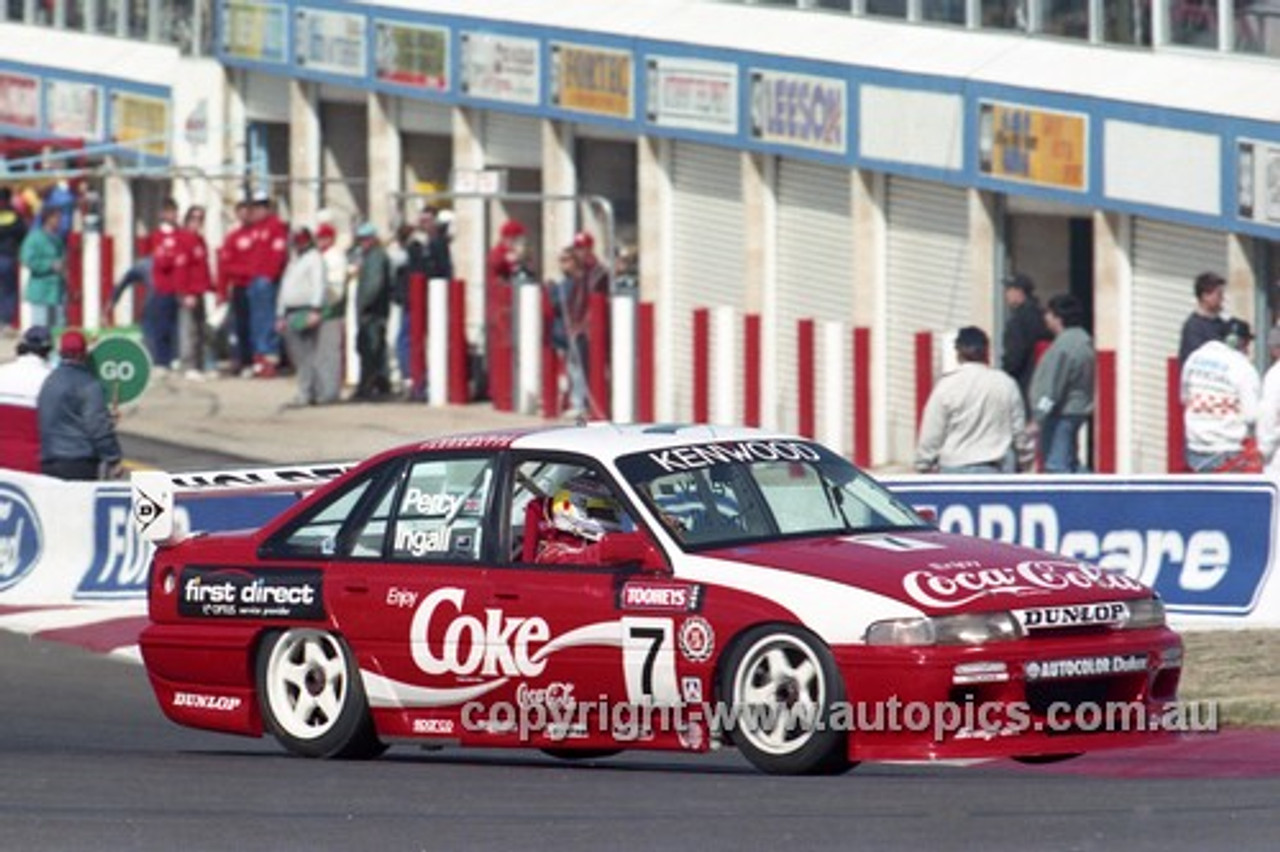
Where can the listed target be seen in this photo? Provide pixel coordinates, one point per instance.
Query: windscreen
(737, 492)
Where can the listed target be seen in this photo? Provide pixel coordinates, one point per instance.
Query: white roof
(608, 441)
(1197, 80)
(61, 50)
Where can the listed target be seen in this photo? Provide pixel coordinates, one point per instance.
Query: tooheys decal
(660, 597)
(248, 593)
(947, 588)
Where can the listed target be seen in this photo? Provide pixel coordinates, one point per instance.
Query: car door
(602, 660)
(409, 592)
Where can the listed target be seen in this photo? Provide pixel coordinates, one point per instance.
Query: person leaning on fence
(974, 420)
(20, 382)
(77, 430)
(1062, 386)
(1220, 391)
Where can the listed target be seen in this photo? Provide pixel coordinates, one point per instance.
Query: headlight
(1146, 613)
(970, 629)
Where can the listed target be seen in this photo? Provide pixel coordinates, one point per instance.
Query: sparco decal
(245, 593)
(660, 597)
(20, 537)
(1083, 615)
(947, 589)
(697, 639)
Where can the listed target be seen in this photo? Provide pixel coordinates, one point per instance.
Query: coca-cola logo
(497, 645)
(948, 589)
(556, 695)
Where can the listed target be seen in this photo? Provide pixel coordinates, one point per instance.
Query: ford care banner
(1206, 544)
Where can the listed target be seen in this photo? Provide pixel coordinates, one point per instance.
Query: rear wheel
(783, 682)
(311, 697)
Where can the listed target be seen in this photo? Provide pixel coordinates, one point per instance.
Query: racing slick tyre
(581, 753)
(311, 696)
(783, 683)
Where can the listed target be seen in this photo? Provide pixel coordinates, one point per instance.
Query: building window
(1257, 27)
(832, 5)
(1065, 18)
(1127, 22)
(1004, 14)
(887, 8)
(943, 11)
(1193, 23)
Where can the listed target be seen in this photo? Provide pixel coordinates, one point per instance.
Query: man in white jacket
(1220, 390)
(974, 421)
(300, 312)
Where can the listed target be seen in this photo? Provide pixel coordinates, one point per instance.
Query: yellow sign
(1036, 146)
(592, 79)
(141, 123)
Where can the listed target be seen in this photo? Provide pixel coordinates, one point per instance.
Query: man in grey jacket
(77, 432)
(1062, 387)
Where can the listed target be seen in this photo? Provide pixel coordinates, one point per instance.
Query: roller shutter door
(815, 274)
(514, 141)
(429, 117)
(708, 248)
(928, 288)
(1166, 260)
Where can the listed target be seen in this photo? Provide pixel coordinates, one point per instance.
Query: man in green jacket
(42, 254)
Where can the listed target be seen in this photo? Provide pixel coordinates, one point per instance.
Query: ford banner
(1204, 543)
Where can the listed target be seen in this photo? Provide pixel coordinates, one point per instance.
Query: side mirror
(632, 548)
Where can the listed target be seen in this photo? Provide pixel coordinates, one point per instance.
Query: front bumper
(1028, 697)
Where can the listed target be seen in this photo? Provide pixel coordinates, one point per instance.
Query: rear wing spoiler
(154, 493)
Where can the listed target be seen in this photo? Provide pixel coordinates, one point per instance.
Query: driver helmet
(585, 507)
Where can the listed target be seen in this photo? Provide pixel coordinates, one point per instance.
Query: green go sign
(122, 366)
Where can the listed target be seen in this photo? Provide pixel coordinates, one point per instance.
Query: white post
(438, 341)
(529, 347)
(724, 320)
(91, 278)
(623, 356)
(24, 307)
(831, 430)
(352, 328)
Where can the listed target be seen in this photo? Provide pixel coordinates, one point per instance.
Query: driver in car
(581, 514)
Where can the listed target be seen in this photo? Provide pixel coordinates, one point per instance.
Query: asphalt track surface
(88, 762)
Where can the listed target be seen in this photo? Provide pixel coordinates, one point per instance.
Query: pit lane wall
(1207, 544)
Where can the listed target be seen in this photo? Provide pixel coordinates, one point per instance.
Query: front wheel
(783, 684)
(311, 697)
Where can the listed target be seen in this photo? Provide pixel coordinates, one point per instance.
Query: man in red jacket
(233, 283)
(168, 268)
(267, 260)
(506, 260)
(191, 289)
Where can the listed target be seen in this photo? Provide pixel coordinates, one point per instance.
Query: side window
(560, 511)
(317, 535)
(440, 510)
(368, 540)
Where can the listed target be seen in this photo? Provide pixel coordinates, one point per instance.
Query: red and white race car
(596, 588)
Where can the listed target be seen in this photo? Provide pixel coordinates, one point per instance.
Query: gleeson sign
(799, 110)
(1205, 546)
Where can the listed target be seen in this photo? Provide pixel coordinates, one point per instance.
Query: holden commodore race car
(590, 589)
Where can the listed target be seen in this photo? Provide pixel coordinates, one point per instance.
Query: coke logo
(950, 589)
(497, 645)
